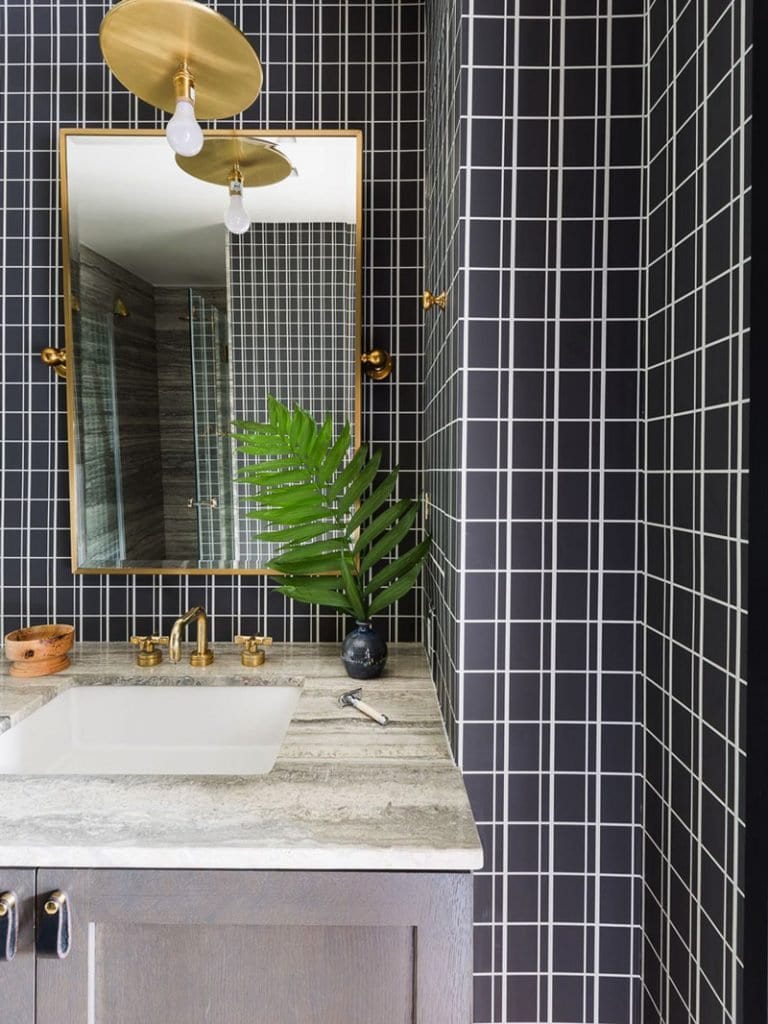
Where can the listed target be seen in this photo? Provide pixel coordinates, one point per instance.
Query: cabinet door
(17, 976)
(245, 947)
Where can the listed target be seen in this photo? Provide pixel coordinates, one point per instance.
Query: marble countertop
(345, 793)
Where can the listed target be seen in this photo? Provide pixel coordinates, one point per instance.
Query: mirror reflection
(177, 327)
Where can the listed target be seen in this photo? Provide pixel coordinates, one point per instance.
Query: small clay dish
(39, 650)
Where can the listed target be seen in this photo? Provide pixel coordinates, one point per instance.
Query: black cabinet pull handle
(53, 932)
(9, 925)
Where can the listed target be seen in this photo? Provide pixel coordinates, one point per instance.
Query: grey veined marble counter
(345, 793)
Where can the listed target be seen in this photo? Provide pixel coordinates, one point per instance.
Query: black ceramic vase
(363, 652)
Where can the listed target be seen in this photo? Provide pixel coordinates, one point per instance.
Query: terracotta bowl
(39, 650)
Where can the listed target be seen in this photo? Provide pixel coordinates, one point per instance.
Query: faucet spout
(202, 655)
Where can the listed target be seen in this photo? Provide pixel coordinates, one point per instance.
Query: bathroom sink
(152, 730)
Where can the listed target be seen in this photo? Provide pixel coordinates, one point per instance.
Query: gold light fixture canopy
(145, 42)
(259, 162)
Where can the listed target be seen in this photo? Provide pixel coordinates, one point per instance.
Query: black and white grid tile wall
(585, 592)
(532, 391)
(441, 425)
(292, 346)
(695, 480)
(327, 65)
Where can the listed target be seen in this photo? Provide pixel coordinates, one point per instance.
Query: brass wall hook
(119, 308)
(377, 363)
(56, 358)
(428, 300)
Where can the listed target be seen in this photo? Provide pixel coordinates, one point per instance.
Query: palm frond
(316, 504)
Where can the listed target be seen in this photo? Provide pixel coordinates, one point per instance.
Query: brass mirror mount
(56, 358)
(377, 364)
(428, 300)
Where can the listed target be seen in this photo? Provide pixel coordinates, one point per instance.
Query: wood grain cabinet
(17, 976)
(246, 947)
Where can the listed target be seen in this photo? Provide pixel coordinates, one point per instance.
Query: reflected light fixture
(182, 57)
(236, 161)
(236, 219)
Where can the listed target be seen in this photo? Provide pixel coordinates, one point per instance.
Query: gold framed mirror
(176, 327)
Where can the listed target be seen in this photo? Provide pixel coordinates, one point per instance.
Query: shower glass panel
(101, 538)
(212, 414)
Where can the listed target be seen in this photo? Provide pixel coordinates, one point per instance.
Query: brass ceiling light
(182, 57)
(234, 162)
(236, 218)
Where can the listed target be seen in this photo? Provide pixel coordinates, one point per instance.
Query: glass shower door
(101, 538)
(212, 414)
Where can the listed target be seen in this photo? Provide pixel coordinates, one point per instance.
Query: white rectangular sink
(152, 730)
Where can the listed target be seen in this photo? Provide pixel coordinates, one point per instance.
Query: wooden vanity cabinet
(251, 947)
(17, 976)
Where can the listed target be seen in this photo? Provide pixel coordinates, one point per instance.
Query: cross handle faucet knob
(148, 655)
(253, 653)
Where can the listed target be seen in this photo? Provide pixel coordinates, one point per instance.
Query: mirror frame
(64, 135)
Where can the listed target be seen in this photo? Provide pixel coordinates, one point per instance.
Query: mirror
(176, 327)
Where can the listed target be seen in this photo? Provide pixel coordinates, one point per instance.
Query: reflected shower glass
(212, 417)
(100, 497)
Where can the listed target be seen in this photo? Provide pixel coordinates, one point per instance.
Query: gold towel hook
(428, 300)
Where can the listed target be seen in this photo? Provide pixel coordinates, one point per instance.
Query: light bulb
(237, 219)
(184, 134)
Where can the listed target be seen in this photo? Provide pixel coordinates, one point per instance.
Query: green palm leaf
(382, 521)
(337, 452)
(352, 588)
(288, 497)
(373, 502)
(399, 567)
(348, 475)
(279, 416)
(332, 545)
(319, 446)
(253, 428)
(265, 446)
(311, 566)
(394, 592)
(316, 582)
(314, 595)
(294, 534)
(389, 540)
(362, 483)
(271, 473)
(304, 488)
(292, 516)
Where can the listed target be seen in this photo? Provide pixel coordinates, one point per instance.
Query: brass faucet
(203, 655)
